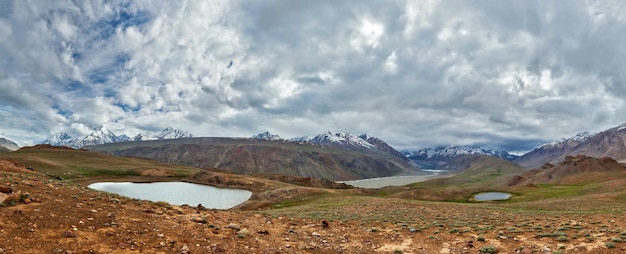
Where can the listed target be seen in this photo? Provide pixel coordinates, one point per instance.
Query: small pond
(492, 196)
(177, 193)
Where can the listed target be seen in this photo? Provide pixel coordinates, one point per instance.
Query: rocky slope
(608, 143)
(253, 156)
(579, 169)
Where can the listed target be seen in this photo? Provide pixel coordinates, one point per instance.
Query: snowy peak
(171, 133)
(167, 133)
(266, 136)
(101, 136)
(608, 143)
(338, 138)
(60, 139)
(8, 144)
(105, 136)
(448, 152)
(575, 140)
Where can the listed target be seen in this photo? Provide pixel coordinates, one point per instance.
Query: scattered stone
(263, 232)
(199, 219)
(160, 235)
(413, 230)
(316, 234)
(470, 244)
(325, 224)
(233, 226)
(185, 250)
(177, 210)
(69, 234)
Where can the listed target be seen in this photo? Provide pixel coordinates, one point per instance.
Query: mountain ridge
(252, 156)
(105, 136)
(8, 144)
(608, 143)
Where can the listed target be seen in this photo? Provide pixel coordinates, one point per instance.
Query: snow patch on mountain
(8, 144)
(105, 136)
(266, 136)
(99, 137)
(447, 152)
(339, 138)
(579, 138)
(167, 133)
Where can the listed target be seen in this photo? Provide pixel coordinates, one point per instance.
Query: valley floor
(65, 217)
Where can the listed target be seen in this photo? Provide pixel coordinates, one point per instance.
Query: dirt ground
(65, 217)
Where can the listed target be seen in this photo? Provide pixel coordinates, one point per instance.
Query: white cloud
(416, 73)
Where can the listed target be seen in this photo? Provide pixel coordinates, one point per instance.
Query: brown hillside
(574, 170)
(254, 157)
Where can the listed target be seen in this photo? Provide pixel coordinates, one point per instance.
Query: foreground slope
(63, 217)
(249, 156)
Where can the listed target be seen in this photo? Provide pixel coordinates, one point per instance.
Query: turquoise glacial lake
(177, 193)
(492, 196)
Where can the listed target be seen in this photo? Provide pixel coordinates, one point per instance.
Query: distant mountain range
(8, 144)
(448, 152)
(609, 143)
(105, 136)
(443, 157)
(335, 156)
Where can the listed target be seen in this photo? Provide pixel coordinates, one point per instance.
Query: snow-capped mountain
(579, 138)
(608, 143)
(167, 133)
(8, 144)
(383, 146)
(448, 152)
(266, 136)
(101, 136)
(338, 138)
(105, 136)
(60, 139)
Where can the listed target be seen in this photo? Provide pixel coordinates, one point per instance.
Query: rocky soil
(56, 216)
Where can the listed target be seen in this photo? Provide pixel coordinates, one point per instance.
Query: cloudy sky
(503, 74)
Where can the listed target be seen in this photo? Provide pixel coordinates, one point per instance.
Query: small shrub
(488, 249)
(480, 239)
(610, 245)
(562, 238)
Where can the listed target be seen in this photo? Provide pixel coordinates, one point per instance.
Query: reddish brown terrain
(54, 216)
